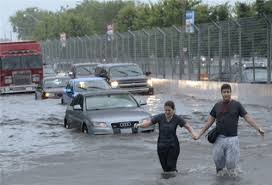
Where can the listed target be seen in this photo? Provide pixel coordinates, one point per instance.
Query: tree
(243, 10)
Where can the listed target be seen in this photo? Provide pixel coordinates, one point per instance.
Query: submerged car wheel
(62, 102)
(84, 128)
(66, 125)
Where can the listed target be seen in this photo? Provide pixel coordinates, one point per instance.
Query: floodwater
(35, 148)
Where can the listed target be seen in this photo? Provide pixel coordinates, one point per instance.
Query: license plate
(126, 130)
(29, 88)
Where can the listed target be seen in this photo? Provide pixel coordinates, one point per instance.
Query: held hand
(195, 136)
(137, 125)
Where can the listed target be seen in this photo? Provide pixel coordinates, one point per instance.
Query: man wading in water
(226, 151)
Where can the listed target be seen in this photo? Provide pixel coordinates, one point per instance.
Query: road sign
(110, 32)
(63, 39)
(190, 21)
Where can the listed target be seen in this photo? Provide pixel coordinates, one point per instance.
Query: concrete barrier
(255, 94)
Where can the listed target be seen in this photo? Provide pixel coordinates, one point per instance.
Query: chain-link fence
(215, 51)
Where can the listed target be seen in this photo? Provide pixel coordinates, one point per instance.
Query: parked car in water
(248, 75)
(82, 70)
(127, 76)
(80, 85)
(51, 87)
(106, 112)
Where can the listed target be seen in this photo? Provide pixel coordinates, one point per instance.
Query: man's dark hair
(170, 104)
(225, 86)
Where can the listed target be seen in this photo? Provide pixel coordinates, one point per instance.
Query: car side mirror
(148, 73)
(70, 74)
(69, 91)
(77, 107)
(141, 102)
(39, 86)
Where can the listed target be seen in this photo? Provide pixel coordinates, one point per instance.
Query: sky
(9, 8)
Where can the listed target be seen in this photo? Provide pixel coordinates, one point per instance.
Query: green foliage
(243, 10)
(93, 16)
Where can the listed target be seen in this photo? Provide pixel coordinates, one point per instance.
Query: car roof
(104, 92)
(85, 64)
(56, 77)
(86, 79)
(116, 64)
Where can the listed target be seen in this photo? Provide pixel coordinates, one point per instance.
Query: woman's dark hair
(170, 104)
(225, 86)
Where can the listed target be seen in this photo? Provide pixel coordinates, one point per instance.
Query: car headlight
(114, 84)
(48, 94)
(100, 124)
(149, 82)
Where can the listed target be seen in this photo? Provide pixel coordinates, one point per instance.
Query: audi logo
(128, 124)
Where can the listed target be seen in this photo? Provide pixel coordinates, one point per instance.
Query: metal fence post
(198, 50)
(240, 46)
(269, 47)
(148, 49)
(88, 46)
(121, 44)
(164, 50)
(220, 47)
(181, 62)
(134, 45)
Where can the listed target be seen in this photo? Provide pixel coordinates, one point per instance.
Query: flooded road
(35, 148)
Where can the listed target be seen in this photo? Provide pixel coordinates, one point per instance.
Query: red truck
(21, 66)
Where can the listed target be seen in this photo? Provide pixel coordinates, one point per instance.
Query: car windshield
(260, 75)
(81, 86)
(112, 101)
(55, 82)
(85, 70)
(126, 71)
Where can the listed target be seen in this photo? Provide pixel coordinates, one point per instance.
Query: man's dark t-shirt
(167, 130)
(227, 117)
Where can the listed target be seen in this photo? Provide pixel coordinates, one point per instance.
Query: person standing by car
(226, 151)
(168, 145)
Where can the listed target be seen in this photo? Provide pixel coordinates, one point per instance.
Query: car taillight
(36, 78)
(8, 80)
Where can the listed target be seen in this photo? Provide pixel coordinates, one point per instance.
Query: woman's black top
(167, 130)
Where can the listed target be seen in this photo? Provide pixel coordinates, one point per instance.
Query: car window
(81, 86)
(125, 71)
(78, 100)
(55, 82)
(69, 85)
(85, 70)
(110, 101)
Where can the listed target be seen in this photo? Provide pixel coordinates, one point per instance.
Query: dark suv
(80, 70)
(127, 76)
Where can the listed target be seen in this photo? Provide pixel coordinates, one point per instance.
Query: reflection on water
(31, 129)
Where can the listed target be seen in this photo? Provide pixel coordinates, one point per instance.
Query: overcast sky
(9, 8)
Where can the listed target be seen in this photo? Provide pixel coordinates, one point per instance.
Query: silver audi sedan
(106, 112)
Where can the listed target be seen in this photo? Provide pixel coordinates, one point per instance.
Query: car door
(68, 95)
(73, 117)
(78, 113)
